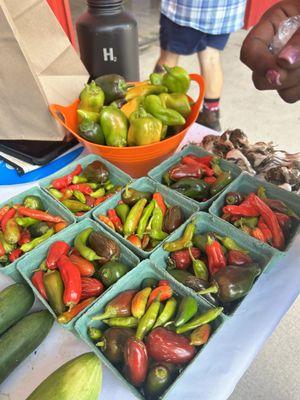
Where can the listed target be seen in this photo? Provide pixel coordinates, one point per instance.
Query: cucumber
(22, 339)
(78, 379)
(15, 302)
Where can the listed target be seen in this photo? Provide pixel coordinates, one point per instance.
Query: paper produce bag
(38, 66)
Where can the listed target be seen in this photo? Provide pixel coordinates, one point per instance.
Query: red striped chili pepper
(66, 180)
(191, 160)
(56, 250)
(71, 278)
(40, 215)
(7, 216)
(257, 234)
(112, 215)
(215, 255)
(241, 210)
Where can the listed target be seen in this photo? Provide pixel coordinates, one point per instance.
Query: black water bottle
(108, 40)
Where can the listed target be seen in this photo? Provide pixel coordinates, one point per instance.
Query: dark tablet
(36, 152)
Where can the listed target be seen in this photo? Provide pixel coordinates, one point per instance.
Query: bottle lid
(105, 4)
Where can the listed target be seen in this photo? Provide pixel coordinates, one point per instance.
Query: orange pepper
(160, 293)
(158, 197)
(139, 302)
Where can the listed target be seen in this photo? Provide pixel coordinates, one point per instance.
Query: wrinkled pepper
(215, 255)
(114, 125)
(167, 116)
(91, 97)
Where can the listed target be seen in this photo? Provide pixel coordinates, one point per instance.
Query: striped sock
(211, 104)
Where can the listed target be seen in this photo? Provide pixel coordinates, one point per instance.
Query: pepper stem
(212, 289)
(191, 254)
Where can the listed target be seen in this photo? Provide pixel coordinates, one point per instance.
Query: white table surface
(222, 362)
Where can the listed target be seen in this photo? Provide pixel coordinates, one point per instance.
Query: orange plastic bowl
(136, 161)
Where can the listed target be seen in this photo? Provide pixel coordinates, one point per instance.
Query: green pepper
(55, 193)
(192, 187)
(166, 180)
(148, 210)
(96, 172)
(98, 193)
(75, 206)
(261, 192)
(200, 242)
(230, 244)
(133, 217)
(91, 131)
(144, 128)
(251, 222)
(156, 78)
(167, 313)
(122, 322)
(35, 242)
(111, 271)
(215, 165)
(79, 196)
(79, 179)
(94, 333)
(188, 307)
(131, 196)
(234, 198)
(199, 267)
(149, 282)
(158, 379)
(156, 232)
(8, 247)
(154, 105)
(80, 245)
(122, 211)
(84, 115)
(176, 101)
(202, 319)
(33, 202)
(114, 125)
(222, 181)
(114, 87)
(38, 229)
(91, 97)
(184, 241)
(25, 222)
(108, 186)
(55, 289)
(148, 320)
(176, 79)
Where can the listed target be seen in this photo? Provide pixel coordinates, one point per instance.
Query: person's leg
(168, 58)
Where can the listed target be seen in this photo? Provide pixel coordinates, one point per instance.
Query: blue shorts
(184, 40)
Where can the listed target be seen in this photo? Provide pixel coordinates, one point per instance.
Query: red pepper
(38, 281)
(191, 160)
(8, 215)
(265, 230)
(56, 250)
(3, 211)
(66, 180)
(257, 234)
(15, 254)
(235, 257)
(67, 316)
(158, 197)
(106, 221)
(72, 281)
(100, 200)
(163, 282)
(86, 268)
(283, 219)
(90, 287)
(160, 293)
(215, 255)
(136, 361)
(82, 187)
(270, 220)
(79, 213)
(206, 160)
(135, 240)
(241, 211)
(2, 250)
(182, 258)
(40, 215)
(180, 171)
(25, 237)
(210, 179)
(114, 218)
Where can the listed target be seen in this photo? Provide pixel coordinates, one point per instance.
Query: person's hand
(279, 72)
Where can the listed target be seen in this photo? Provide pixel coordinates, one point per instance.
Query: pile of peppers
(83, 188)
(151, 334)
(268, 220)
(143, 218)
(213, 266)
(71, 278)
(24, 226)
(115, 114)
(198, 178)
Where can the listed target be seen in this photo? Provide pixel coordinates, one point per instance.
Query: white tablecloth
(220, 365)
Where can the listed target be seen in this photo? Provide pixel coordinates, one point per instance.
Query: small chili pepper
(12, 233)
(76, 206)
(199, 267)
(59, 226)
(25, 222)
(79, 196)
(71, 279)
(206, 160)
(37, 241)
(67, 194)
(94, 333)
(157, 220)
(261, 192)
(133, 217)
(55, 193)
(90, 287)
(200, 335)
(202, 319)
(131, 196)
(100, 200)
(15, 254)
(215, 165)
(6, 217)
(121, 322)
(257, 234)
(54, 289)
(222, 181)
(80, 245)
(106, 221)
(56, 250)
(167, 313)
(3, 211)
(188, 307)
(210, 179)
(234, 198)
(122, 211)
(230, 244)
(158, 197)
(98, 193)
(38, 281)
(66, 180)
(265, 230)
(215, 255)
(39, 215)
(251, 222)
(86, 268)
(160, 293)
(180, 171)
(236, 257)
(280, 206)
(112, 215)
(199, 241)
(135, 240)
(184, 242)
(270, 219)
(147, 322)
(67, 316)
(79, 179)
(136, 361)
(139, 302)
(147, 213)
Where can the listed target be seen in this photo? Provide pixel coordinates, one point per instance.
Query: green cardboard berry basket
(146, 184)
(247, 184)
(133, 280)
(157, 173)
(116, 176)
(260, 253)
(31, 263)
(51, 206)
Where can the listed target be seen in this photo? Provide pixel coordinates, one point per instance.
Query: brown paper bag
(38, 66)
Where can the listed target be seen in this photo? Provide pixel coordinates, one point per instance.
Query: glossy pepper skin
(71, 279)
(122, 211)
(144, 128)
(75, 205)
(167, 346)
(85, 267)
(236, 257)
(143, 222)
(202, 319)
(12, 233)
(66, 180)
(56, 250)
(114, 87)
(184, 242)
(180, 171)
(37, 241)
(90, 287)
(173, 218)
(234, 198)
(80, 245)
(91, 97)
(199, 267)
(139, 302)
(145, 90)
(112, 343)
(115, 219)
(38, 281)
(215, 255)
(181, 259)
(176, 101)
(147, 321)
(200, 335)
(67, 316)
(167, 313)
(91, 131)
(188, 307)
(133, 217)
(120, 306)
(222, 181)
(136, 361)
(9, 214)
(153, 105)
(131, 196)
(114, 125)
(192, 187)
(161, 293)
(39, 215)
(122, 322)
(158, 379)
(54, 290)
(111, 271)
(176, 79)
(156, 232)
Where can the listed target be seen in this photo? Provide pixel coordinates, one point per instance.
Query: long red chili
(258, 234)
(56, 250)
(66, 180)
(160, 293)
(206, 160)
(191, 160)
(72, 281)
(100, 200)
(90, 287)
(38, 281)
(3, 211)
(8, 215)
(114, 218)
(270, 220)
(265, 230)
(67, 316)
(82, 187)
(158, 197)
(40, 215)
(215, 255)
(241, 210)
